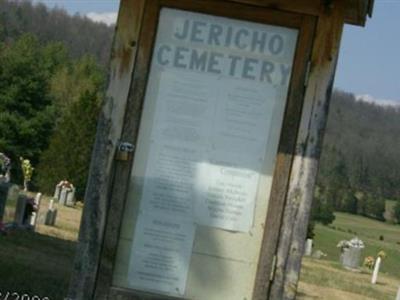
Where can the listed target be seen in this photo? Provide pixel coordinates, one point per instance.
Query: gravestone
(34, 215)
(65, 193)
(70, 201)
(3, 198)
(351, 258)
(51, 214)
(351, 253)
(24, 209)
(57, 191)
(308, 247)
(8, 201)
(63, 196)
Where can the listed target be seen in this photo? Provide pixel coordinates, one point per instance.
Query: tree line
(359, 166)
(52, 81)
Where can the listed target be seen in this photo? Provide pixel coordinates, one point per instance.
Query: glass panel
(203, 167)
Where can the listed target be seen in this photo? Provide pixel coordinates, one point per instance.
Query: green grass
(346, 226)
(327, 279)
(334, 282)
(35, 264)
(40, 263)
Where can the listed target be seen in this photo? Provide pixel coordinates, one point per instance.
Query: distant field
(326, 279)
(346, 226)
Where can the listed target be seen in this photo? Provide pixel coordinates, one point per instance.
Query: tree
(322, 208)
(26, 111)
(69, 152)
(79, 34)
(397, 211)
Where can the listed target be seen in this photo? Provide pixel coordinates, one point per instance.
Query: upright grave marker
(219, 92)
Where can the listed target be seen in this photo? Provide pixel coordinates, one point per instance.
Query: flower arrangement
(353, 243)
(369, 262)
(65, 184)
(382, 254)
(27, 171)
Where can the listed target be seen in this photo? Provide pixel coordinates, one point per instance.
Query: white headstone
(34, 215)
(351, 258)
(63, 196)
(398, 294)
(308, 247)
(57, 192)
(70, 197)
(376, 270)
(51, 204)
(38, 197)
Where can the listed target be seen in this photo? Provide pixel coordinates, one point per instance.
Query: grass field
(40, 263)
(327, 278)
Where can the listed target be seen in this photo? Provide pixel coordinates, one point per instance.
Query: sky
(368, 61)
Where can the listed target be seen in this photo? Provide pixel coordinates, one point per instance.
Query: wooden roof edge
(358, 10)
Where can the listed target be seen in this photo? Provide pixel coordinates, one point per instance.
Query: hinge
(273, 268)
(124, 151)
(307, 76)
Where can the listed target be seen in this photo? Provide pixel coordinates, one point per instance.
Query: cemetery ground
(40, 263)
(326, 279)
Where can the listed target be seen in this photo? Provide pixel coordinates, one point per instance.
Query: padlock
(124, 151)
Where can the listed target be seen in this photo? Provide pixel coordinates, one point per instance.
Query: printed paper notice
(161, 255)
(226, 197)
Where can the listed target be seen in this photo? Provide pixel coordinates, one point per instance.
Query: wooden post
(108, 135)
(308, 149)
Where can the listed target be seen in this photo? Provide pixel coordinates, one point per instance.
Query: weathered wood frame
(306, 26)
(108, 179)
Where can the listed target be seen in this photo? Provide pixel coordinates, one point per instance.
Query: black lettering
(238, 39)
(228, 38)
(179, 57)
(160, 51)
(215, 34)
(198, 61)
(248, 67)
(185, 31)
(196, 31)
(213, 62)
(234, 59)
(259, 40)
(267, 68)
(275, 45)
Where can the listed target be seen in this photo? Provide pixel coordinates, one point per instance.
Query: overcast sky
(368, 61)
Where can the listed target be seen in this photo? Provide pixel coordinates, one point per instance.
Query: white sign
(217, 86)
(161, 254)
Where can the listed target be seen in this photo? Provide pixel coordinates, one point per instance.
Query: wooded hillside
(79, 35)
(360, 165)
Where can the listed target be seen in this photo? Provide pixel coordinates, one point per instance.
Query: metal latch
(124, 151)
